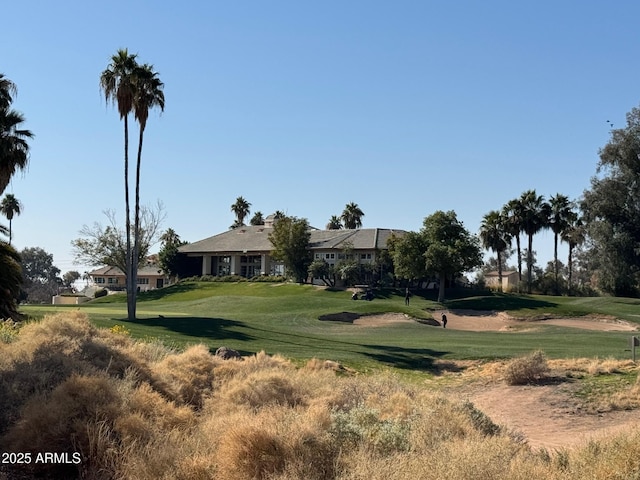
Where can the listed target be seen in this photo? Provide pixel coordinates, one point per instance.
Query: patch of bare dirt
(547, 416)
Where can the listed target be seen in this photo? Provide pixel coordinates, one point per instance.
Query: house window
(317, 256)
(99, 279)
(143, 281)
(333, 255)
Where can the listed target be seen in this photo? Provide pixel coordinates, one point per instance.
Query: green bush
(527, 370)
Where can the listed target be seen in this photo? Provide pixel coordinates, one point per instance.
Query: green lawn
(283, 318)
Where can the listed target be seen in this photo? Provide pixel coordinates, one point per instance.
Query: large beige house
(112, 278)
(246, 251)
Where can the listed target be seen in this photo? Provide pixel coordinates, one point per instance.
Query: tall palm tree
(117, 84)
(574, 235)
(495, 236)
(14, 146)
(535, 217)
(257, 219)
(334, 223)
(147, 94)
(240, 210)
(512, 212)
(7, 91)
(352, 216)
(9, 207)
(561, 212)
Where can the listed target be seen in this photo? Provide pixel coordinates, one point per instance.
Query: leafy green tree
(41, 276)
(612, 212)
(118, 85)
(512, 212)
(257, 219)
(408, 256)
(101, 245)
(451, 248)
(172, 262)
(69, 278)
(9, 207)
(561, 215)
(535, 217)
(290, 240)
(496, 237)
(322, 270)
(352, 216)
(335, 223)
(10, 281)
(240, 209)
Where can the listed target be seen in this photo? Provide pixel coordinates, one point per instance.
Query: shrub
(527, 370)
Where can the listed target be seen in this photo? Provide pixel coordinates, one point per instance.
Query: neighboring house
(246, 251)
(509, 280)
(112, 278)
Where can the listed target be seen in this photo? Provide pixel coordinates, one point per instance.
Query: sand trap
(481, 321)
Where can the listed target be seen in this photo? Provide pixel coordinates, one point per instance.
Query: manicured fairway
(284, 318)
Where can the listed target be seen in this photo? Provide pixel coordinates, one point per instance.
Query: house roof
(146, 271)
(256, 239)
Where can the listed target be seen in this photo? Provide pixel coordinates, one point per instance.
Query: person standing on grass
(444, 321)
(407, 295)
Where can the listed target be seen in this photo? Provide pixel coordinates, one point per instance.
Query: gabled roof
(255, 239)
(146, 270)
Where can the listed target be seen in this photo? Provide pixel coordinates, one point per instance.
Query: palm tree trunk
(555, 260)
(441, 287)
(529, 263)
(10, 232)
(519, 259)
(136, 229)
(570, 266)
(499, 270)
(131, 306)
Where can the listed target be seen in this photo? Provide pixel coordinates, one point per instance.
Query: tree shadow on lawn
(423, 359)
(499, 302)
(200, 327)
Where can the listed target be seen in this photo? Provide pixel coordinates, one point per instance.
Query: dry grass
(140, 411)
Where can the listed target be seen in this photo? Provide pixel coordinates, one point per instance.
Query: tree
(14, 146)
(41, 276)
(322, 270)
(334, 223)
(535, 217)
(408, 256)
(290, 240)
(352, 216)
(69, 278)
(10, 281)
(495, 236)
(172, 262)
(101, 245)
(257, 219)
(561, 214)
(451, 249)
(512, 212)
(612, 212)
(148, 94)
(117, 83)
(574, 236)
(240, 209)
(9, 207)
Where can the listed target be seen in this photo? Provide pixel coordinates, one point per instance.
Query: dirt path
(547, 416)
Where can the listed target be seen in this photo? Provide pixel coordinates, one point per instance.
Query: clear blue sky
(403, 107)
